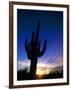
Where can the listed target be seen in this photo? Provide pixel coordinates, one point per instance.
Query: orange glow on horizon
(42, 69)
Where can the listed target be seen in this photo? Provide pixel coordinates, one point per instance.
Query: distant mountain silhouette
(58, 68)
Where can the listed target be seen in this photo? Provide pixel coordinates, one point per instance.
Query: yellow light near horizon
(42, 70)
(39, 72)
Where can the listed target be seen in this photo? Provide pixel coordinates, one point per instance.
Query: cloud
(25, 64)
(22, 65)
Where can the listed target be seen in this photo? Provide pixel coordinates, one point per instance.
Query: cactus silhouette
(33, 50)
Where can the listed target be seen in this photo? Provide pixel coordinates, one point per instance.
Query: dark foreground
(22, 75)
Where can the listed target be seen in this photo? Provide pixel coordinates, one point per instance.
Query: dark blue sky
(51, 28)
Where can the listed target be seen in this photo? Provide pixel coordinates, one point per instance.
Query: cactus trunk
(33, 67)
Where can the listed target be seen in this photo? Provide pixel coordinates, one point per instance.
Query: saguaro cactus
(33, 50)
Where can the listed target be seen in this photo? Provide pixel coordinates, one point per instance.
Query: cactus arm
(32, 39)
(39, 45)
(43, 50)
(26, 43)
(27, 48)
(29, 54)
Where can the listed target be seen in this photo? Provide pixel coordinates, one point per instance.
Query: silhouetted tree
(33, 50)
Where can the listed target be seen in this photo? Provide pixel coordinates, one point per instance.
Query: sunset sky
(51, 28)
